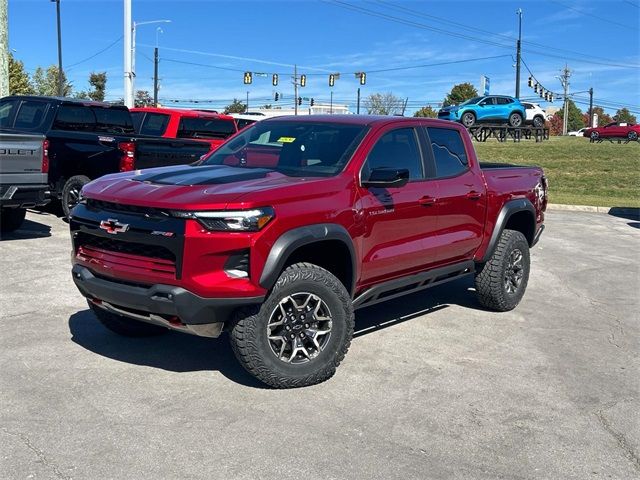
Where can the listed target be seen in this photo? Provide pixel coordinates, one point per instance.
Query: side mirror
(385, 177)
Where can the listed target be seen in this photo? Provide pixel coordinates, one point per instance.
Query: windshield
(202, 127)
(291, 148)
(472, 101)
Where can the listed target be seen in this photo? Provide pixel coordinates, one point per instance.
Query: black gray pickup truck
(24, 164)
(90, 139)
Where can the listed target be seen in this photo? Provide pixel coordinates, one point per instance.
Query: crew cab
(279, 234)
(209, 127)
(626, 130)
(489, 108)
(24, 164)
(89, 139)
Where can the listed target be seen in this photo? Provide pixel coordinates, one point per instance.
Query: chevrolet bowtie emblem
(113, 226)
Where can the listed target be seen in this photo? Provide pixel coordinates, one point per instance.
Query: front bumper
(24, 196)
(155, 303)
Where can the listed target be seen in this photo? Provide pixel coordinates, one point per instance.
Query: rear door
(461, 202)
(399, 223)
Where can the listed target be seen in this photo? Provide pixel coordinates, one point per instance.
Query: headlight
(231, 220)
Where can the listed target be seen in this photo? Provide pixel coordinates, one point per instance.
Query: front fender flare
(290, 241)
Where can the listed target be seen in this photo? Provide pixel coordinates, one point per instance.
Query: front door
(399, 223)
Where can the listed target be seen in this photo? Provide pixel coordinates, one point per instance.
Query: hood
(193, 187)
(449, 108)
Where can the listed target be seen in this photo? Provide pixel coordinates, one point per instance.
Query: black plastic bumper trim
(160, 299)
(24, 195)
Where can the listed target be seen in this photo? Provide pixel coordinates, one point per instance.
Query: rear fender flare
(507, 211)
(290, 241)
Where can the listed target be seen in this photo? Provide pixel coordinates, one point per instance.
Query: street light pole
(128, 68)
(60, 73)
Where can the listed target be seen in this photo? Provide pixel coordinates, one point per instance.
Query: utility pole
(564, 80)
(518, 51)
(246, 109)
(60, 73)
(155, 77)
(358, 104)
(128, 66)
(4, 49)
(331, 104)
(295, 89)
(590, 107)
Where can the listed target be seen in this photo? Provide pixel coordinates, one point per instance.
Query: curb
(587, 208)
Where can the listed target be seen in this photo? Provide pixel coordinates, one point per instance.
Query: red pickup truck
(212, 128)
(278, 235)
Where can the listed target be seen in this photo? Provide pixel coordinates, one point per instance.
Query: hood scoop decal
(202, 175)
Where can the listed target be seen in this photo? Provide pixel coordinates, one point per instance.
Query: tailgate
(21, 159)
(161, 152)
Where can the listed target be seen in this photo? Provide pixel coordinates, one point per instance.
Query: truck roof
(66, 100)
(182, 112)
(359, 119)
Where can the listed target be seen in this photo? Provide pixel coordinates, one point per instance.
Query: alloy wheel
(514, 272)
(299, 328)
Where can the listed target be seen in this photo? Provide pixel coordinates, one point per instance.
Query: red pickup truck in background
(212, 128)
(295, 222)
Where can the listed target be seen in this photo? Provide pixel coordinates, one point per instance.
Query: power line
(95, 54)
(587, 14)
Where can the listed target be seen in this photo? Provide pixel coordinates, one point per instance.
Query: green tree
(19, 81)
(46, 82)
(603, 117)
(575, 119)
(235, 107)
(143, 99)
(426, 112)
(624, 115)
(383, 104)
(459, 93)
(98, 80)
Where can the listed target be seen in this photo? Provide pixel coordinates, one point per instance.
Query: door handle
(473, 195)
(427, 201)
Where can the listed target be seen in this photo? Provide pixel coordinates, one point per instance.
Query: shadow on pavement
(629, 213)
(634, 224)
(176, 352)
(28, 230)
(179, 352)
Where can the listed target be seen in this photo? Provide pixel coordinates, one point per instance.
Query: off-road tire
(515, 119)
(490, 280)
(471, 119)
(71, 191)
(11, 219)
(127, 327)
(248, 333)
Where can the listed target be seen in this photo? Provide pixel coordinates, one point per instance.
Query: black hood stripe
(203, 175)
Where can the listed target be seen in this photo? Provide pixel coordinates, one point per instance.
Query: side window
(487, 101)
(30, 114)
(396, 149)
(154, 124)
(503, 101)
(448, 152)
(6, 110)
(74, 118)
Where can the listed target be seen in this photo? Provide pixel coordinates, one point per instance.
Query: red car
(278, 235)
(614, 130)
(212, 128)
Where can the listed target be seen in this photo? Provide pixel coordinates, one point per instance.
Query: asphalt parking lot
(433, 387)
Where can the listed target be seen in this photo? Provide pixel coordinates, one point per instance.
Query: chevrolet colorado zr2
(282, 232)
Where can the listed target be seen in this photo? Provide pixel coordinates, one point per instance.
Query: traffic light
(535, 88)
(299, 100)
(312, 102)
(276, 97)
(551, 97)
(530, 82)
(274, 80)
(541, 92)
(363, 78)
(332, 80)
(248, 78)
(303, 80)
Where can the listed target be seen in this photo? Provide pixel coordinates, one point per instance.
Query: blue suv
(490, 108)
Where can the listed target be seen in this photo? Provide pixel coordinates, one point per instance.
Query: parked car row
(494, 109)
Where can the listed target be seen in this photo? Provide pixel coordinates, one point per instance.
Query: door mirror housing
(385, 177)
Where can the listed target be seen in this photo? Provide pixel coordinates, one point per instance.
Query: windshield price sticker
(286, 140)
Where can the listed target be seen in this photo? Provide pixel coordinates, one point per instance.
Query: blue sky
(599, 40)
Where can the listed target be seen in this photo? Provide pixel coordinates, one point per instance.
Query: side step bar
(412, 283)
